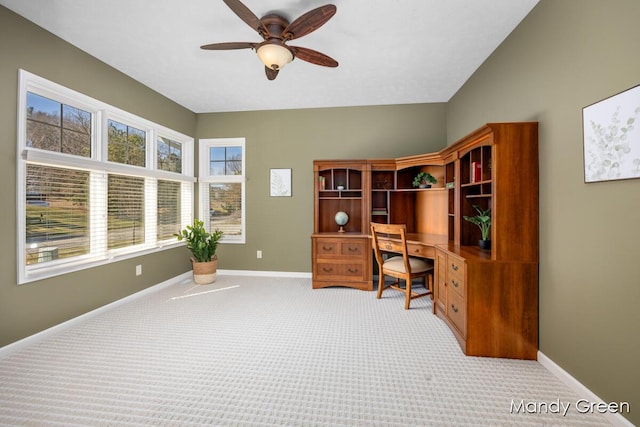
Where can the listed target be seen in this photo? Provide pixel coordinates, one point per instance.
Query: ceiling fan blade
(309, 22)
(313, 56)
(229, 46)
(271, 74)
(247, 16)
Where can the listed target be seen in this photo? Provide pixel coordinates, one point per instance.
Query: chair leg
(380, 285)
(408, 294)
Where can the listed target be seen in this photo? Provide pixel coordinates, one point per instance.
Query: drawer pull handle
(327, 269)
(454, 267)
(456, 284)
(327, 248)
(454, 308)
(388, 246)
(353, 249)
(352, 270)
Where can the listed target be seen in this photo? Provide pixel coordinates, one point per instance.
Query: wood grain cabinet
(341, 260)
(489, 297)
(341, 256)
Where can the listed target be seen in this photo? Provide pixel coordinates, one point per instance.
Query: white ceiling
(390, 52)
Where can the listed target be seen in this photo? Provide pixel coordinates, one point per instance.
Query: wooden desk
(488, 298)
(476, 297)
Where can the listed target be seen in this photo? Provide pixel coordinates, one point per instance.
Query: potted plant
(482, 220)
(203, 247)
(340, 186)
(424, 180)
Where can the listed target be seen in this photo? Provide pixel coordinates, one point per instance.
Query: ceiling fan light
(274, 56)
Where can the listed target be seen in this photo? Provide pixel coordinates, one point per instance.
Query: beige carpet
(255, 351)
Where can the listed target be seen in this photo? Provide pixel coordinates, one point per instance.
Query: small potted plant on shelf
(424, 180)
(482, 220)
(340, 186)
(203, 247)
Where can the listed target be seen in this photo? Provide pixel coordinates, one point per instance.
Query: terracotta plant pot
(204, 273)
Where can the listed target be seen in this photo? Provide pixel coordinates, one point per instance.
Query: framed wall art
(612, 137)
(280, 183)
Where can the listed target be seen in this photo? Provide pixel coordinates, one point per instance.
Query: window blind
(57, 214)
(169, 209)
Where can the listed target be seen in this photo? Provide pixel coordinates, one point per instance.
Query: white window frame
(100, 167)
(205, 178)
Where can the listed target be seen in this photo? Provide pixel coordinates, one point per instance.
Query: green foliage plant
(482, 220)
(202, 245)
(424, 178)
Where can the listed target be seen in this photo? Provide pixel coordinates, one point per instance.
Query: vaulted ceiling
(390, 52)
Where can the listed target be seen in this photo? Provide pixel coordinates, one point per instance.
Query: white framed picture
(280, 183)
(612, 137)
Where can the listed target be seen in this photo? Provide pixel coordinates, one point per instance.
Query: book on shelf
(476, 172)
(378, 211)
(321, 182)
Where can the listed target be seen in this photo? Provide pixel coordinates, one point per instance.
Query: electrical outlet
(138, 269)
(259, 254)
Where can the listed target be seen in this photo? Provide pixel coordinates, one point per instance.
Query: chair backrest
(394, 239)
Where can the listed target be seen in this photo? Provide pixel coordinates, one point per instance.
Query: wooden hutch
(487, 297)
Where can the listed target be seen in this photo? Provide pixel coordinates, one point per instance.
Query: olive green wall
(30, 308)
(564, 56)
(281, 226)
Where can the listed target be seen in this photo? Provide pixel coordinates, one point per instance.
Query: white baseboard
(31, 339)
(293, 274)
(582, 391)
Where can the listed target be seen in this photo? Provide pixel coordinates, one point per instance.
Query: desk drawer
(345, 272)
(456, 311)
(353, 271)
(340, 247)
(421, 251)
(352, 248)
(456, 273)
(327, 247)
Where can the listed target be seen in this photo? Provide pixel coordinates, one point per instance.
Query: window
(55, 126)
(169, 155)
(222, 187)
(126, 144)
(98, 183)
(125, 211)
(57, 213)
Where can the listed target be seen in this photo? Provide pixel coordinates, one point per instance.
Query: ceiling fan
(276, 32)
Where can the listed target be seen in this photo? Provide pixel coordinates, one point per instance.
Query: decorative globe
(341, 219)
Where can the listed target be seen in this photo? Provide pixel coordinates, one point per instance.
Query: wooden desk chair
(400, 267)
